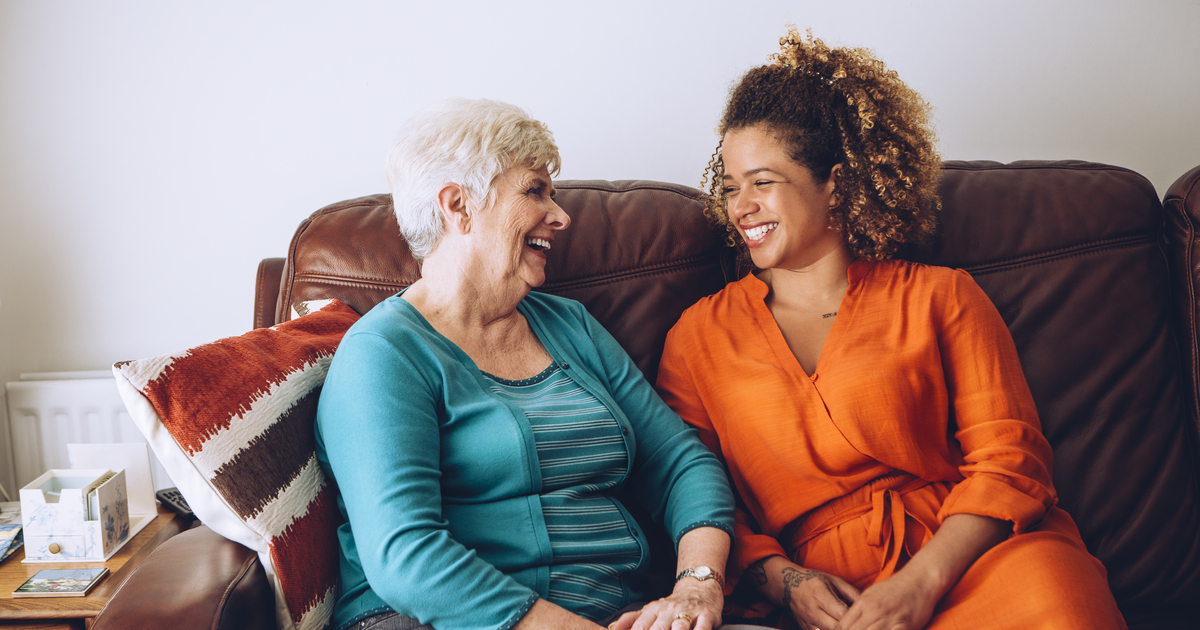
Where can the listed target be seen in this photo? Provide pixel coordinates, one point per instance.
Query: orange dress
(917, 409)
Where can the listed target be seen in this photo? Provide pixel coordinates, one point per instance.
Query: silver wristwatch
(701, 573)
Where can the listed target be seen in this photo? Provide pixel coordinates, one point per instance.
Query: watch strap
(702, 573)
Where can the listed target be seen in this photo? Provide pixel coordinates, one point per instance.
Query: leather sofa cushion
(210, 583)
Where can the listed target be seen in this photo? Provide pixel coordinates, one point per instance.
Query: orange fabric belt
(882, 498)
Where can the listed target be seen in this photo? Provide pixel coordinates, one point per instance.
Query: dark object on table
(172, 500)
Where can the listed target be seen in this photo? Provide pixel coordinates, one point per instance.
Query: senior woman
(477, 431)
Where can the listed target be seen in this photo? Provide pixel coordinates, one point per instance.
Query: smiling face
(520, 226)
(777, 205)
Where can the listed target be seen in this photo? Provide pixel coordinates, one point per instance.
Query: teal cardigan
(439, 480)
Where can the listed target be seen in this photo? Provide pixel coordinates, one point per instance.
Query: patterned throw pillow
(232, 423)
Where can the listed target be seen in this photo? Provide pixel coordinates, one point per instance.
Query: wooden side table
(77, 613)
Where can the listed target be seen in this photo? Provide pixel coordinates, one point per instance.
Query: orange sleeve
(1007, 461)
(678, 388)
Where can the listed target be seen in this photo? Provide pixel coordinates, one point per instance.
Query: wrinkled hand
(816, 599)
(701, 601)
(897, 603)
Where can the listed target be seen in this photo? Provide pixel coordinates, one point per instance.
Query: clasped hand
(820, 600)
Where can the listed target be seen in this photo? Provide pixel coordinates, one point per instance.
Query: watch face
(703, 572)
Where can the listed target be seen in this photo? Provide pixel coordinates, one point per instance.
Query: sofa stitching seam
(601, 281)
(1190, 258)
(370, 282)
(1057, 254)
(334, 281)
(666, 189)
(1191, 290)
(1045, 166)
(649, 270)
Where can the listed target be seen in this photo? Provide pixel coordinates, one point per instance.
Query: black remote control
(172, 500)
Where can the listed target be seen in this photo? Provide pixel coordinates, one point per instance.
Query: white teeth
(538, 243)
(756, 233)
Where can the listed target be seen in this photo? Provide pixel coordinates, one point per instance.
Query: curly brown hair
(842, 106)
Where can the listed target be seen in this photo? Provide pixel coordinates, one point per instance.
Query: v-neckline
(466, 358)
(758, 291)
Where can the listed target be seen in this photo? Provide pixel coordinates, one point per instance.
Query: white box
(75, 515)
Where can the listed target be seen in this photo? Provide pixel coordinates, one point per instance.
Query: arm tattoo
(794, 577)
(757, 573)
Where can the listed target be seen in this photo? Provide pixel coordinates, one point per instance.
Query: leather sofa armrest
(196, 580)
(266, 291)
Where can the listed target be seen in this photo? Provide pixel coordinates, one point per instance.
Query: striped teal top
(582, 456)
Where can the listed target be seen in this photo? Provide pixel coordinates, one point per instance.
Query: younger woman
(872, 412)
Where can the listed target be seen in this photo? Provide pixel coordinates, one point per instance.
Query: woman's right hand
(815, 599)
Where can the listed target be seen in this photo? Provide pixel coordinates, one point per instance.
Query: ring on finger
(685, 618)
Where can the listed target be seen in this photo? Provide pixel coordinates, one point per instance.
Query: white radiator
(47, 411)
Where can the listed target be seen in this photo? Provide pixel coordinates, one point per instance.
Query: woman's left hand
(906, 599)
(694, 604)
(897, 603)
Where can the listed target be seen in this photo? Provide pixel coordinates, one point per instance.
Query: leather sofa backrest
(637, 254)
(1073, 254)
(1182, 207)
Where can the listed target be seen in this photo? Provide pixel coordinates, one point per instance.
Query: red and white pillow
(232, 423)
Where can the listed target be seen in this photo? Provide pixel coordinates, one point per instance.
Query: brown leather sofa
(1096, 278)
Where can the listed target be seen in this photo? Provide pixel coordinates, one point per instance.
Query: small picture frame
(61, 583)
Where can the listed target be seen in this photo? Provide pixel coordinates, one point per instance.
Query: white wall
(151, 153)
